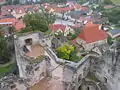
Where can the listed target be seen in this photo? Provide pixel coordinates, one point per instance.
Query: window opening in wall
(88, 88)
(105, 79)
(80, 88)
(79, 78)
(28, 41)
(37, 68)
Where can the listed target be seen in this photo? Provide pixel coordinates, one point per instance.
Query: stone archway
(88, 85)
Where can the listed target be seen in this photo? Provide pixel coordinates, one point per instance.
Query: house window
(36, 68)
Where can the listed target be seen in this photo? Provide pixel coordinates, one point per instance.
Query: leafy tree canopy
(108, 2)
(1, 30)
(68, 52)
(113, 15)
(65, 51)
(5, 52)
(38, 21)
(11, 29)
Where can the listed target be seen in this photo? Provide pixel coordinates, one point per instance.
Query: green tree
(82, 1)
(113, 15)
(108, 2)
(5, 52)
(64, 51)
(1, 30)
(11, 29)
(110, 40)
(26, 29)
(38, 21)
(16, 2)
(9, 2)
(50, 18)
(117, 2)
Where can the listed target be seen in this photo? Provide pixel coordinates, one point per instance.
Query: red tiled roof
(53, 5)
(77, 6)
(7, 20)
(108, 6)
(70, 3)
(17, 23)
(65, 9)
(1, 16)
(27, 6)
(2, 1)
(84, 8)
(44, 4)
(4, 12)
(20, 10)
(56, 27)
(91, 33)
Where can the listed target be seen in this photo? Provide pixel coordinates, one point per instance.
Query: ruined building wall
(107, 69)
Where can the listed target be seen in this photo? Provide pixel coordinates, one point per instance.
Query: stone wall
(108, 72)
(34, 36)
(23, 61)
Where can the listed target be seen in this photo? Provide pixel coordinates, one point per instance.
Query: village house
(77, 7)
(7, 22)
(114, 33)
(61, 29)
(19, 11)
(92, 36)
(57, 10)
(2, 2)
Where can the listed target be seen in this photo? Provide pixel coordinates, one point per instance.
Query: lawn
(117, 2)
(6, 69)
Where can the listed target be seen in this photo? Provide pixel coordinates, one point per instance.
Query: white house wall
(89, 46)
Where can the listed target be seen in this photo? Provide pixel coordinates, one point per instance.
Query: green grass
(117, 2)
(6, 69)
(47, 32)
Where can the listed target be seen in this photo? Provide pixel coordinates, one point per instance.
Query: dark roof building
(114, 33)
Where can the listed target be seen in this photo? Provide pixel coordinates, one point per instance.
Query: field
(117, 2)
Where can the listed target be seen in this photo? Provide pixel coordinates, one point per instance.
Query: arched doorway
(80, 87)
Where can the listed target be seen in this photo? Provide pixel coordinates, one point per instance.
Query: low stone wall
(69, 63)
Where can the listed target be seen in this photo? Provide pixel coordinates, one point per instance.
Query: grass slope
(117, 2)
(6, 69)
